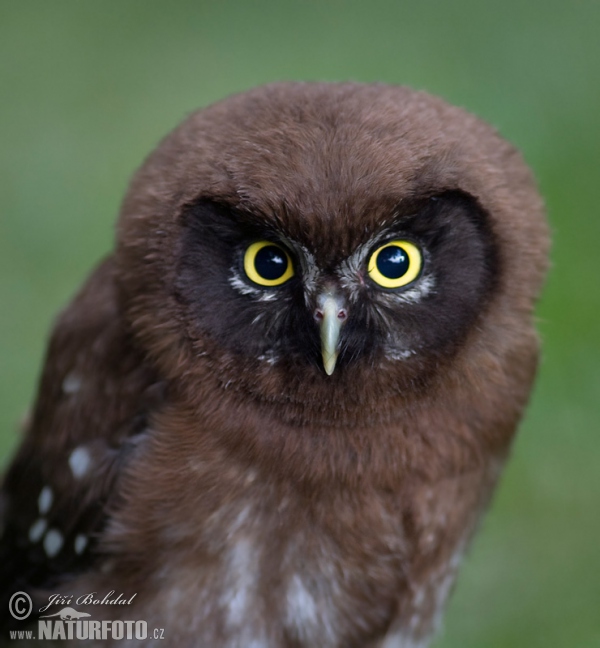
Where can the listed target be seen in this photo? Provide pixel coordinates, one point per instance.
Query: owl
(274, 416)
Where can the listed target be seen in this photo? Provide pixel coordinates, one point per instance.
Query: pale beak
(331, 315)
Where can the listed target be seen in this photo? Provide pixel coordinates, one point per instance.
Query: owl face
(310, 244)
(406, 291)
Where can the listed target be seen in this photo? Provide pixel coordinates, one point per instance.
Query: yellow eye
(395, 264)
(267, 264)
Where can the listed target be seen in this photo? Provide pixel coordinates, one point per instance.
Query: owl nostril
(342, 314)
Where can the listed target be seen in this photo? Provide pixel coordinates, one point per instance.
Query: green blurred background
(87, 89)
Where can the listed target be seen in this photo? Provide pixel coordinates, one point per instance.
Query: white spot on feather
(37, 530)
(419, 597)
(403, 354)
(445, 582)
(45, 500)
(301, 606)
(80, 544)
(240, 520)
(270, 357)
(72, 383)
(240, 582)
(53, 542)
(80, 461)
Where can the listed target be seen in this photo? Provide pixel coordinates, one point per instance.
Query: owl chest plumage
(241, 559)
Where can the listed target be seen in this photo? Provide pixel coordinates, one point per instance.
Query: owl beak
(331, 314)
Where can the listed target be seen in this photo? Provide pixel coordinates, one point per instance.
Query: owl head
(336, 248)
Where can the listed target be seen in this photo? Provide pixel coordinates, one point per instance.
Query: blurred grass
(87, 90)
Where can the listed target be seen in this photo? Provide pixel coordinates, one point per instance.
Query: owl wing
(94, 397)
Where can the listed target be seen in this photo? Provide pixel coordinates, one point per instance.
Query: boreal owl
(273, 417)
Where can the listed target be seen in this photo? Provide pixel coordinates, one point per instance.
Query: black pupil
(392, 262)
(270, 262)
